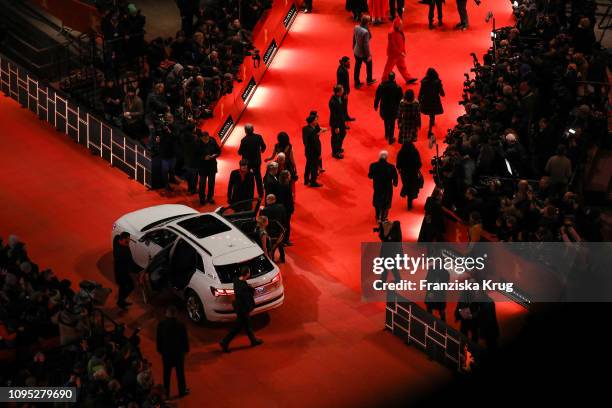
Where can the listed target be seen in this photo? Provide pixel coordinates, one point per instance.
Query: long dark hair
(432, 74)
(282, 139)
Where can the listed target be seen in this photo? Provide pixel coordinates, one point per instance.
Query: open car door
(155, 277)
(243, 215)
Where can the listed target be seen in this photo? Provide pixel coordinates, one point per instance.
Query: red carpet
(323, 345)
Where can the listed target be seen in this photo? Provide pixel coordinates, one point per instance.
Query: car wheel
(195, 309)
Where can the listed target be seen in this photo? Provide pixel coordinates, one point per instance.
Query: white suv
(198, 255)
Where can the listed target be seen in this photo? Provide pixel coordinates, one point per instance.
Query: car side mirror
(145, 240)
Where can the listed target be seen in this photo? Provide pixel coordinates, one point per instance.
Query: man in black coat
(124, 266)
(312, 149)
(342, 78)
(252, 146)
(277, 218)
(244, 304)
(241, 185)
(270, 180)
(337, 121)
(208, 151)
(388, 96)
(384, 177)
(173, 344)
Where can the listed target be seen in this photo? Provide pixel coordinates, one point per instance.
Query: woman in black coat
(429, 97)
(432, 229)
(409, 166)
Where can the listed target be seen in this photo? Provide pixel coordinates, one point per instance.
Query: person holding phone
(208, 151)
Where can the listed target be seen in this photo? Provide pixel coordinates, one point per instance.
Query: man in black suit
(244, 304)
(384, 178)
(277, 218)
(241, 186)
(396, 6)
(173, 344)
(337, 121)
(252, 146)
(388, 96)
(208, 151)
(312, 149)
(124, 266)
(342, 78)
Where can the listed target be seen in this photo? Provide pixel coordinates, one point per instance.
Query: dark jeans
(126, 286)
(432, 5)
(312, 170)
(191, 176)
(462, 10)
(336, 141)
(178, 363)
(308, 5)
(206, 178)
(397, 5)
(258, 181)
(357, 71)
(389, 128)
(243, 322)
(167, 166)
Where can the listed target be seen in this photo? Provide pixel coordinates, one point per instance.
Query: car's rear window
(204, 226)
(259, 266)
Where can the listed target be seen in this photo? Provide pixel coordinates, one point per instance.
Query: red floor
(323, 345)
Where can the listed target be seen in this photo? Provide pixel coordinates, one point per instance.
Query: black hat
(312, 116)
(344, 59)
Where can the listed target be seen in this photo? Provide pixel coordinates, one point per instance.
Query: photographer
(155, 106)
(165, 145)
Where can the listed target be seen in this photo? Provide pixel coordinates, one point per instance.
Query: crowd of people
(182, 77)
(51, 335)
(514, 163)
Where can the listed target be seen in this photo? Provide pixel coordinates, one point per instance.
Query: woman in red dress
(379, 9)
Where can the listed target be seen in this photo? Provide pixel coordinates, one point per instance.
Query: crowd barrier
(68, 117)
(442, 343)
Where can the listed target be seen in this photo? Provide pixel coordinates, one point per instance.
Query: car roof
(222, 242)
(226, 239)
(147, 218)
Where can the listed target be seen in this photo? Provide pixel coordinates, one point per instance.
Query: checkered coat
(408, 120)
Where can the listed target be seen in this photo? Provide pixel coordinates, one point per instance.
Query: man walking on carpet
(361, 49)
